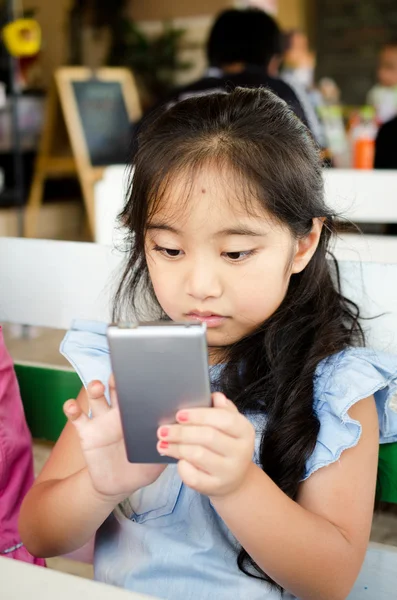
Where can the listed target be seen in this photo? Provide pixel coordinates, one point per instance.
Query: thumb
(220, 401)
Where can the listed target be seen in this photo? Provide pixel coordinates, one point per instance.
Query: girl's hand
(215, 447)
(102, 442)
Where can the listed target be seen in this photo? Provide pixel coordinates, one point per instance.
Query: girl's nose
(203, 281)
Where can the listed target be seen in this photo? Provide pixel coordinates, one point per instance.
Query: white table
(19, 581)
(377, 581)
(378, 577)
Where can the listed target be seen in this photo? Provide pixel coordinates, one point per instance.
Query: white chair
(45, 283)
(366, 248)
(109, 198)
(357, 195)
(362, 196)
(48, 283)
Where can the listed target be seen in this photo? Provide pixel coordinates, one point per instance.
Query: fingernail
(163, 445)
(183, 416)
(71, 407)
(164, 431)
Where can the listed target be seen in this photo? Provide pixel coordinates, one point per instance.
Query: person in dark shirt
(386, 156)
(386, 146)
(240, 50)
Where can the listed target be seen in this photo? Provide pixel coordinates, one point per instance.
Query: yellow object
(22, 37)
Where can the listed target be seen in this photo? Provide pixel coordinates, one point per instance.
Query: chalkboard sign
(93, 111)
(349, 36)
(105, 120)
(98, 108)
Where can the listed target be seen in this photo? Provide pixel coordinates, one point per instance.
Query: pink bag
(16, 461)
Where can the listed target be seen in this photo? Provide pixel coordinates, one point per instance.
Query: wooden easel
(63, 149)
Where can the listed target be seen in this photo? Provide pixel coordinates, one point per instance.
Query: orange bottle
(364, 135)
(364, 153)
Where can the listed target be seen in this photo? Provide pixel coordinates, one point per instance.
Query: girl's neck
(216, 355)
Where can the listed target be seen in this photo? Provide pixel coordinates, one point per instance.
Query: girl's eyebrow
(223, 233)
(163, 227)
(241, 230)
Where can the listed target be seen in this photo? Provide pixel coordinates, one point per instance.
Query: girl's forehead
(208, 194)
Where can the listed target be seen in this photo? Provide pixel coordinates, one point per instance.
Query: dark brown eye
(238, 256)
(170, 252)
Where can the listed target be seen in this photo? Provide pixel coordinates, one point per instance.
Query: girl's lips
(209, 319)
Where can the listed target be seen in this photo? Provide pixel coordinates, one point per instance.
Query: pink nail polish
(164, 431)
(163, 445)
(183, 417)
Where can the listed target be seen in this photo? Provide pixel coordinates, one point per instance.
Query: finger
(113, 392)
(208, 437)
(230, 422)
(200, 457)
(75, 415)
(97, 399)
(220, 401)
(195, 478)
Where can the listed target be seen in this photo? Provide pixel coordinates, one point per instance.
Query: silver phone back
(159, 368)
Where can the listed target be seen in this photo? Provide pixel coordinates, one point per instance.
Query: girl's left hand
(214, 447)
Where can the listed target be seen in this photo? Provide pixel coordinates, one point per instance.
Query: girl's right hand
(102, 442)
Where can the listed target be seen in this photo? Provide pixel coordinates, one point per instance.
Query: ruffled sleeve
(85, 346)
(341, 381)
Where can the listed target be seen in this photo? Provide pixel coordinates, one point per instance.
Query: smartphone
(159, 368)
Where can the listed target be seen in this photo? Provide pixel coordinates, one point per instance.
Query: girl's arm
(86, 476)
(313, 548)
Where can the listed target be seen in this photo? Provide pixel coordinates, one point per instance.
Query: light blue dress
(167, 540)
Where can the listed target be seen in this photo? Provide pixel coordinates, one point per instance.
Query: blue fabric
(341, 381)
(162, 539)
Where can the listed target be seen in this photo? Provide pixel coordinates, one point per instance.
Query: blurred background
(338, 56)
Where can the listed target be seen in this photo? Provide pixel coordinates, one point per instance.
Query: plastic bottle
(363, 139)
(335, 135)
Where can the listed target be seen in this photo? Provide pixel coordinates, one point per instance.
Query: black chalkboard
(105, 121)
(349, 36)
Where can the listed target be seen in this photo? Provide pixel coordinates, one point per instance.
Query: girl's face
(212, 260)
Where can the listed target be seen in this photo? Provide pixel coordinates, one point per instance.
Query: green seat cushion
(387, 473)
(44, 389)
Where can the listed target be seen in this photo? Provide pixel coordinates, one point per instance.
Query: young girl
(274, 488)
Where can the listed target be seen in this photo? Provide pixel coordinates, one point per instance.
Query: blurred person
(330, 92)
(258, 52)
(383, 96)
(299, 61)
(296, 68)
(244, 49)
(16, 461)
(386, 146)
(386, 155)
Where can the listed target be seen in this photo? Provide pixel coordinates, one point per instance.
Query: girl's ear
(307, 246)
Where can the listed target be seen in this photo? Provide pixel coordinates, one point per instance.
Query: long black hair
(258, 137)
